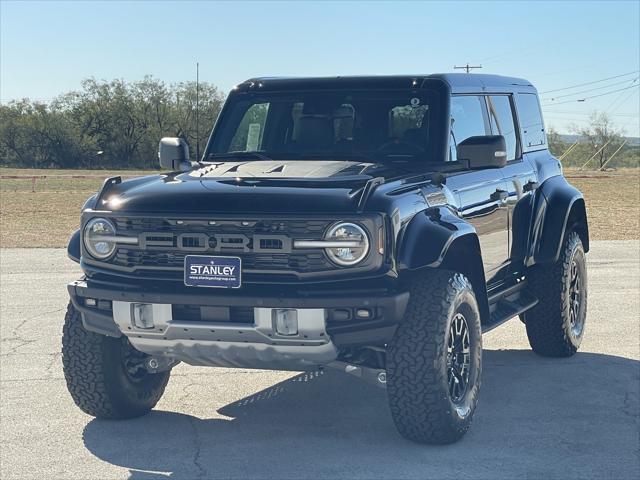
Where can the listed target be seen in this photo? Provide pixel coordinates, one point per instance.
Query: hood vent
(278, 169)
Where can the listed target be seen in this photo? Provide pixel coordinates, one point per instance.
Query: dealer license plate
(210, 271)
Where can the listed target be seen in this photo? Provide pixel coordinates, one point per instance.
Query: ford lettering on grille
(219, 242)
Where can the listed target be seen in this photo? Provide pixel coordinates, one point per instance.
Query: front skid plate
(227, 344)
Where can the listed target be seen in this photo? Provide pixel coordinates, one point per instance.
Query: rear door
(519, 173)
(482, 194)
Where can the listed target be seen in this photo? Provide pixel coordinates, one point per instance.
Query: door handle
(530, 186)
(499, 196)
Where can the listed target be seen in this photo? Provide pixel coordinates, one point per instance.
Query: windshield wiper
(240, 155)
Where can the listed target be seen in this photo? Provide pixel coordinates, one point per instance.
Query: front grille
(264, 245)
(289, 227)
(297, 262)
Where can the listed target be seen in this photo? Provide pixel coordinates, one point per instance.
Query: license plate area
(212, 271)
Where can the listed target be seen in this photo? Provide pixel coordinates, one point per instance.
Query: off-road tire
(96, 376)
(549, 323)
(417, 382)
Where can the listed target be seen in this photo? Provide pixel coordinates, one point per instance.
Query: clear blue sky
(48, 47)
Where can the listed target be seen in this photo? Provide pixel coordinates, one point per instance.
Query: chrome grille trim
(326, 244)
(116, 239)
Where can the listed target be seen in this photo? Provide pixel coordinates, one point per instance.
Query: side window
(248, 136)
(467, 120)
(530, 119)
(501, 118)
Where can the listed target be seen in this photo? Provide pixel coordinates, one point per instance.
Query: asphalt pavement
(537, 417)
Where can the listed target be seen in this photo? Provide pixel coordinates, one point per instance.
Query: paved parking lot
(537, 418)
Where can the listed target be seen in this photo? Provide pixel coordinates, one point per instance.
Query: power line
(565, 112)
(590, 97)
(591, 89)
(615, 105)
(556, 117)
(590, 83)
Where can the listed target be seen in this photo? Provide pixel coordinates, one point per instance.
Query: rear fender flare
(559, 205)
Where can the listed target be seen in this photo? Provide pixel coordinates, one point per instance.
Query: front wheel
(106, 376)
(434, 360)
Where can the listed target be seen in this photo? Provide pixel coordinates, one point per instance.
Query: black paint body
(491, 224)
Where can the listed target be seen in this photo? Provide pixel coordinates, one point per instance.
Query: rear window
(531, 125)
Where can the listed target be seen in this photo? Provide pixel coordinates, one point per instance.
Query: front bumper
(332, 324)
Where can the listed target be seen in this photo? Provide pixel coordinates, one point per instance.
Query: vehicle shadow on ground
(580, 413)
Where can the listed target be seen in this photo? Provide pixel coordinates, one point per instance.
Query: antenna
(467, 67)
(198, 111)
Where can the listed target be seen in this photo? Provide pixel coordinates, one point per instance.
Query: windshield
(349, 125)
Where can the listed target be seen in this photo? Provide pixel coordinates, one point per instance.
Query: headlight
(356, 244)
(99, 236)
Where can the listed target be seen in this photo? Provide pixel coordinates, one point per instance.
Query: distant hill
(632, 141)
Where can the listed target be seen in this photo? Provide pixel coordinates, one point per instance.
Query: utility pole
(467, 67)
(198, 111)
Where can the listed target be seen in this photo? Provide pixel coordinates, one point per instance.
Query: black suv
(375, 224)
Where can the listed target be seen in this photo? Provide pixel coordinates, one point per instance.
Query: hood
(264, 186)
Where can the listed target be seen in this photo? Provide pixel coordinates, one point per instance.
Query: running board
(507, 304)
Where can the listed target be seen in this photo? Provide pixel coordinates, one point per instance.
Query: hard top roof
(458, 82)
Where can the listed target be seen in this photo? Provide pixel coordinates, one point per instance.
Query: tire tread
(416, 400)
(85, 371)
(545, 322)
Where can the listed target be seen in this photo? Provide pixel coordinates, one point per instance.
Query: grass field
(48, 216)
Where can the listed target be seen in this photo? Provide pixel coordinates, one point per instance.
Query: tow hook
(160, 364)
(376, 376)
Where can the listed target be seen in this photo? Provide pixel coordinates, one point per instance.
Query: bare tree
(601, 135)
(557, 145)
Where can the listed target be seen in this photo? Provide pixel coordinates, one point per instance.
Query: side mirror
(173, 154)
(485, 151)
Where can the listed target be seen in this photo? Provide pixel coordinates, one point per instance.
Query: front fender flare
(424, 242)
(73, 248)
(436, 238)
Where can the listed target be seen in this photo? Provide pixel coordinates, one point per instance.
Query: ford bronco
(379, 225)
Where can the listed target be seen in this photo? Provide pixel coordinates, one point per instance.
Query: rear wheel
(106, 376)
(555, 326)
(434, 360)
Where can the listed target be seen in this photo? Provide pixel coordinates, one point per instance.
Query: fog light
(142, 315)
(286, 321)
(363, 313)
(90, 302)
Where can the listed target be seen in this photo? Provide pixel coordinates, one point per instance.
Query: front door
(482, 194)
